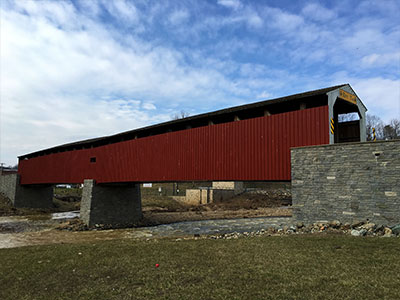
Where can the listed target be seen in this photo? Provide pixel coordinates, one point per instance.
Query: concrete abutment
(347, 182)
(111, 204)
(220, 191)
(236, 186)
(29, 196)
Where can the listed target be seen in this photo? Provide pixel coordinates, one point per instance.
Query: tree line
(383, 131)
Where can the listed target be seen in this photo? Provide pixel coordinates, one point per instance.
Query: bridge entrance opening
(347, 120)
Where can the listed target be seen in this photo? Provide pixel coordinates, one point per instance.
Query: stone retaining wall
(32, 196)
(347, 182)
(8, 185)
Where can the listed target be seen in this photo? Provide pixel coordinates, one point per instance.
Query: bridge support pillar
(112, 204)
(30, 196)
(236, 186)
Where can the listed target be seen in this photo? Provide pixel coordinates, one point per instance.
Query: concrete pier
(29, 196)
(111, 204)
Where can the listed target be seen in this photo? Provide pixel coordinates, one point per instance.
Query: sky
(72, 70)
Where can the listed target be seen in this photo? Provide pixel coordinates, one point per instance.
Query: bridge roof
(181, 124)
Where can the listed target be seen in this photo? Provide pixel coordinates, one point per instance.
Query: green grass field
(287, 267)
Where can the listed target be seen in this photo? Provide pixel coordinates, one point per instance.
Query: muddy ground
(247, 205)
(23, 227)
(163, 209)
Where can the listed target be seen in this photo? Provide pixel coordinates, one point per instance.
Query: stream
(18, 231)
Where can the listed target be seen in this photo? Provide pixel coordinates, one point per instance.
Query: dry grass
(288, 267)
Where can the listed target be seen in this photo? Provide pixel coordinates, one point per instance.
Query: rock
(300, 225)
(388, 232)
(396, 229)
(369, 226)
(335, 224)
(346, 226)
(360, 232)
(357, 224)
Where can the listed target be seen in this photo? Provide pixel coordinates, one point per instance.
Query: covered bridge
(249, 143)
(244, 143)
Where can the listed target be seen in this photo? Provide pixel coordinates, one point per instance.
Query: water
(41, 232)
(65, 215)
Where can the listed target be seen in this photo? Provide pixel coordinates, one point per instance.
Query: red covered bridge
(244, 143)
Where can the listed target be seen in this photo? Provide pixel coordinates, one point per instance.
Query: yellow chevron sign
(347, 96)
(373, 134)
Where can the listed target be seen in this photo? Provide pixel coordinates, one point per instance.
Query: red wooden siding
(253, 149)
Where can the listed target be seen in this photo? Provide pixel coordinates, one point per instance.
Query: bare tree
(373, 121)
(183, 114)
(395, 123)
(392, 130)
(382, 131)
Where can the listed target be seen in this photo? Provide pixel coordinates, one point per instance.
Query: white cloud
(178, 16)
(364, 39)
(380, 95)
(121, 9)
(379, 60)
(60, 13)
(63, 85)
(148, 106)
(90, 8)
(234, 4)
(264, 95)
(318, 12)
(254, 20)
(282, 20)
(246, 15)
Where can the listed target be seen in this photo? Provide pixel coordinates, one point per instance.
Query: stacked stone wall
(8, 185)
(347, 182)
(118, 204)
(32, 196)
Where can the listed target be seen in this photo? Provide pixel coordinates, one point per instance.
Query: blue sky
(73, 70)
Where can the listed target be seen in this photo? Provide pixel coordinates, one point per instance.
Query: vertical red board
(253, 149)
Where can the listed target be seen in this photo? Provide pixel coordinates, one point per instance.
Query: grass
(165, 202)
(287, 267)
(74, 192)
